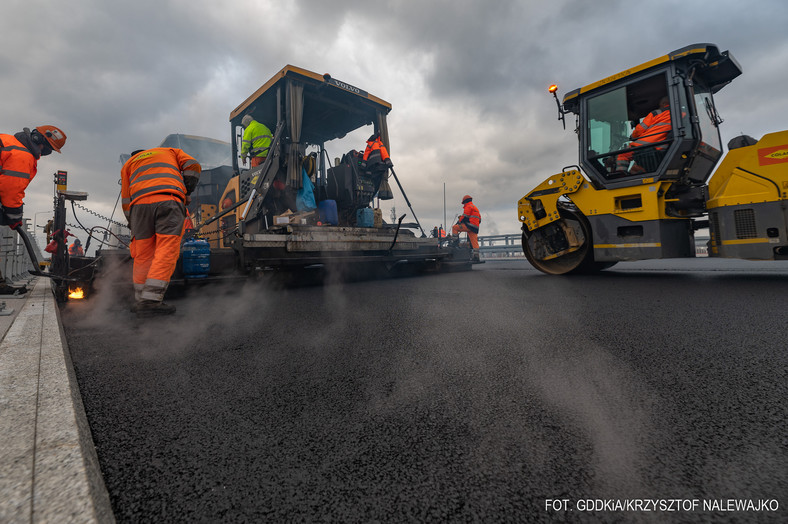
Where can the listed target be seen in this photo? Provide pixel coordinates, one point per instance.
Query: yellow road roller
(646, 180)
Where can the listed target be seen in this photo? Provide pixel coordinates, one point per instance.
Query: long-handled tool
(32, 254)
(423, 234)
(220, 215)
(396, 233)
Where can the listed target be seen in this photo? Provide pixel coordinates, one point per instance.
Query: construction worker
(19, 154)
(469, 222)
(49, 229)
(155, 188)
(654, 128)
(256, 140)
(375, 144)
(75, 249)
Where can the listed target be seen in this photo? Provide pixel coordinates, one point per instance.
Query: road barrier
(14, 260)
(500, 246)
(508, 246)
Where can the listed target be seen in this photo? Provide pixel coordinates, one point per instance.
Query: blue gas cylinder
(196, 258)
(365, 217)
(327, 209)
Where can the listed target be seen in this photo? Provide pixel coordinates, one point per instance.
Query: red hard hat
(55, 136)
(466, 199)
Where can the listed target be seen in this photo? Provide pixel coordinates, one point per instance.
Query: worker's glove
(388, 162)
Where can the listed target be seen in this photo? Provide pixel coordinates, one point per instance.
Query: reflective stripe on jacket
(374, 145)
(18, 167)
(165, 171)
(257, 139)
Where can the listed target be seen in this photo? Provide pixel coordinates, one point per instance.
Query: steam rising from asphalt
(595, 394)
(221, 312)
(572, 389)
(427, 361)
(206, 315)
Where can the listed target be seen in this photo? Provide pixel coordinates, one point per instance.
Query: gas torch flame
(76, 293)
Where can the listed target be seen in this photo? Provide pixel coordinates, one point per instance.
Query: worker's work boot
(152, 308)
(475, 256)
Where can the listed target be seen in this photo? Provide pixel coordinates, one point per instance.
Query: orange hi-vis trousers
(472, 237)
(157, 230)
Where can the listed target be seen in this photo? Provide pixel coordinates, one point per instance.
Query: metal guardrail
(14, 260)
(509, 246)
(501, 246)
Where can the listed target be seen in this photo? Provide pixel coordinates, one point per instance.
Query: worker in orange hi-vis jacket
(155, 188)
(75, 249)
(469, 222)
(19, 154)
(654, 128)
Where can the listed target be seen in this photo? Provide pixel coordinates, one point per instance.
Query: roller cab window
(629, 129)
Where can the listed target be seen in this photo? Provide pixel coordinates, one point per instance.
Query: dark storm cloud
(114, 77)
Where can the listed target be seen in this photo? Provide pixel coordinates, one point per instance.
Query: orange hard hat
(466, 199)
(55, 136)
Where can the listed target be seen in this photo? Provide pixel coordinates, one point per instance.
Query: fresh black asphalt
(480, 396)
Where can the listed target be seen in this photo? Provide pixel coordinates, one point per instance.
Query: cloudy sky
(467, 80)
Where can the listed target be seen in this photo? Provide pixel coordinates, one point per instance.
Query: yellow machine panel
(752, 174)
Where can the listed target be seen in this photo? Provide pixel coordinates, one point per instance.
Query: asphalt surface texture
(651, 392)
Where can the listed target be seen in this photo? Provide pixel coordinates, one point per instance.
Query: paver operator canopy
(314, 109)
(305, 110)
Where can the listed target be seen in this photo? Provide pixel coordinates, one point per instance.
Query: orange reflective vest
(18, 167)
(471, 217)
(75, 250)
(158, 174)
(654, 128)
(376, 145)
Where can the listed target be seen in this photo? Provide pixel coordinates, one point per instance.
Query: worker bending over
(19, 154)
(155, 188)
(469, 222)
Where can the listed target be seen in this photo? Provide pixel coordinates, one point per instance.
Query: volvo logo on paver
(348, 87)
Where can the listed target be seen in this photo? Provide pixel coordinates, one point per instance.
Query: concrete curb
(49, 470)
